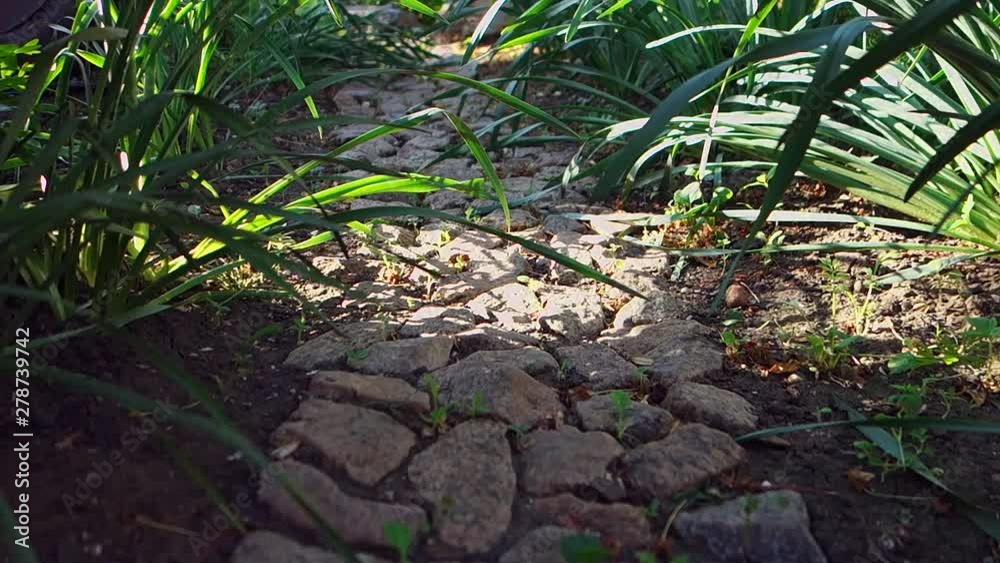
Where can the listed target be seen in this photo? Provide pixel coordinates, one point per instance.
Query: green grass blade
(978, 127)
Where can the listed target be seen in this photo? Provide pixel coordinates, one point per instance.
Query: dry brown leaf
(859, 478)
(778, 368)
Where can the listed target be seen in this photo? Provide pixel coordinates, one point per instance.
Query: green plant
(973, 346)
(478, 406)
(827, 351)
(841, 286)
(733, 342)
(565, 370)
(437, 418)
(910, 447)
(356, 355)
(584, 549)
(900, 113)
(822, 413)
(400, 537)
(622, 402)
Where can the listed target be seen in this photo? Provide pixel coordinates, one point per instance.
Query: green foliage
(622, 401)
(828, 351)
(973, 346)
(584, 549)
(910, 446)
(400, 537)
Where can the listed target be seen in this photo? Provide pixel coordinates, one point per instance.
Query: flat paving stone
(623, 523)
(358, 520)
(368, 390)
(597, 366)
(685, 459)
(709, 405)
(645, 422)
(506, 392)
(542, 545)
(556, 461)
(365, 444)
(404, 357)
(485, 337)
(433, 321)
(573, 313)
(330, 350)
(468, 475)
(771, 527)
(672, 352)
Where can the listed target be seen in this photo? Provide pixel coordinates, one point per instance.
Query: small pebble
(738, 296)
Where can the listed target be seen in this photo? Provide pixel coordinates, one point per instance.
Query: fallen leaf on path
(859, 478)
(778, 368)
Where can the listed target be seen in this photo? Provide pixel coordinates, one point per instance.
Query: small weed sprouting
(355, 356)
(973, 347)
(910, 446)
(622, 402)
(478, 406)
(400, 537)
(823, 413)
(858, 294)
(733, 342)
(437, 418)
(565, 369)
(828, 351)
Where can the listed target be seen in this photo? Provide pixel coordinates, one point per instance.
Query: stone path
(459, 413)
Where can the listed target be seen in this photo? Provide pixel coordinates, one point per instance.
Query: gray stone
(642, 282)
(485, 271)
(447, 199)
(520, 219)
(365, 444)
(623, 523)
(718, 408)
(645, 422)
(572, 313)
(534, 361)
(598, 367)
(368, 390)
(378, 296)
(358, 520)
(262, 546)
(673, 351)
(659, 307)
(490, 338)
(543, 545)
(469, 477)
(685, 459)
(330, 350)
(554, 224)
(432, 320)
(404, 357)
(455, 169)
(508, 393)
(569, 244)
(556, 461)
(513, 306)
(770, 527)
(473, 244)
